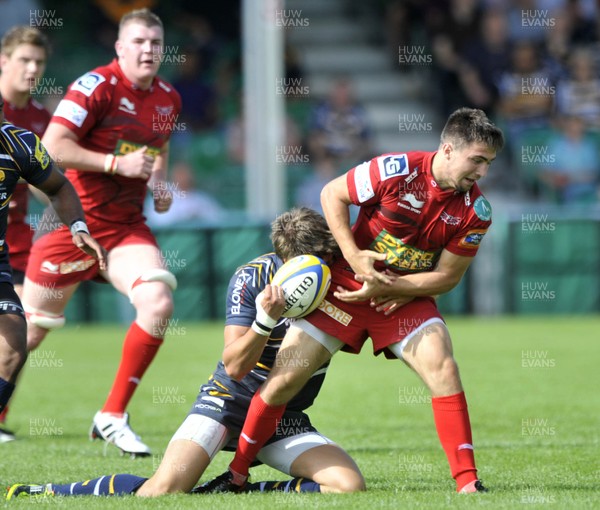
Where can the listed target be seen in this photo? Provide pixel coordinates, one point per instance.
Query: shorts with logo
(10, 304)
(353, 323)
(56, 261)
(216, 419)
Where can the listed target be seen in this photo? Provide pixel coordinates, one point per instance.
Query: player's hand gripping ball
(305, 280)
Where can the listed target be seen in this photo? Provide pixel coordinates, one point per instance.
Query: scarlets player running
(23, 60)
(420, 223)
(111, 133)
(22, 156)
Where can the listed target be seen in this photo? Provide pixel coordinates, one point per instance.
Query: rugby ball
(305, 280)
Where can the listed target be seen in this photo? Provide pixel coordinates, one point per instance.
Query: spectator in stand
(339, 126)
(485, 59)
(196, 91)
(579, 93)
(309, 191)
(575, 175)
(526, 93)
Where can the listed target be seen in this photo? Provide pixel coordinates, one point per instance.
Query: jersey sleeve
(84, 103)
(468, 239)
(371, 180)
(247, 282)
(35, 164)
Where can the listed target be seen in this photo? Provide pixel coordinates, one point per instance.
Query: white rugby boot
(117, 431)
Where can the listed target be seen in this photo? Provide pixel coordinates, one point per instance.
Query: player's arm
(161, 194)
(244, 345)
(65, 202)
(335, 201)
(63, 145)
(443, 278)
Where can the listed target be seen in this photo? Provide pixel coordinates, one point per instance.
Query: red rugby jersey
(34, 117)
(406, 215)
(110, 114)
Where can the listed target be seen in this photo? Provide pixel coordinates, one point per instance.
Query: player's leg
(189, 453)
(13, 348)
(284, 382)
(316, 463)
(132, 270)
(428, 351)
(45, 306)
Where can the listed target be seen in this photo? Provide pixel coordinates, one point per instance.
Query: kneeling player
(253, 333)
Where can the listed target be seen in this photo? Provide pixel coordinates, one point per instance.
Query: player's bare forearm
(443, 278)
(63, 146)
(62, 197)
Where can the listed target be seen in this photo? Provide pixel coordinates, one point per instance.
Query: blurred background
(358, 79)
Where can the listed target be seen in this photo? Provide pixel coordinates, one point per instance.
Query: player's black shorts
(9, 301)
(231, 407)
(18, 277)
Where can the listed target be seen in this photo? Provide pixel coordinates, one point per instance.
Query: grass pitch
(532, 386)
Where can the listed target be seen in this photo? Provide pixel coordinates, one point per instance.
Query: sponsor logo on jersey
(362, 182)
(71, 111)
(2, 175)
(472, 239)
(164, 110)
(403, 256)
(41, 155)
(392, 166)
(335, 313)
(125, 105)
(219, 401)
(413, 203)
(88, 83)
(449, 219)
(125, 147)
(482, 209)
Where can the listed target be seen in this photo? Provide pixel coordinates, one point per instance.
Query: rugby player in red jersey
(22, 156)
(421, 220)
(23, 58)
(111, 132)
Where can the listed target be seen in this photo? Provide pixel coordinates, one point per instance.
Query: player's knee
(353, 482)
(153, 275)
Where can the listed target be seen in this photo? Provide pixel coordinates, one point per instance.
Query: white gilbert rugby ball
(305, 280)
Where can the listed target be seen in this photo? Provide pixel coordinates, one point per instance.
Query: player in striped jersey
(253, 333)
(22, 156)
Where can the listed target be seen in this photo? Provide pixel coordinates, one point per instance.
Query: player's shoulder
(397, 164)
(19, 138)
(94, 81)
(476, 202)
(261, 268)
(168, 89)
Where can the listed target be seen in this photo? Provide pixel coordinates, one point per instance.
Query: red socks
(139, 349)
(451, 418)
(260, 425)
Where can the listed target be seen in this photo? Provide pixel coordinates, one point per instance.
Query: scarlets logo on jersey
(125, 147)
(41, 154)
(402, 256)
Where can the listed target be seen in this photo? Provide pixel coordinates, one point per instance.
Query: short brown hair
(23, 35)
(470, 125)
(144, 16)
(301, 231)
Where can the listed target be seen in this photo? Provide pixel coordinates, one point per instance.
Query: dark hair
(470, 125)
(301, 231)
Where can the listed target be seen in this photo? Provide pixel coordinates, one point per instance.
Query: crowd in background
(532, 65)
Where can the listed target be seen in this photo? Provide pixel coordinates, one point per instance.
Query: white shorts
(212, 436)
